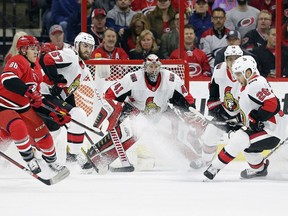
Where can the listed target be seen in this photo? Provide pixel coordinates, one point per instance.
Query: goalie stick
(55, 179)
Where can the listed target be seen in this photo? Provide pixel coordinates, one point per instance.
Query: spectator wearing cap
(201, 19)
(242, 18)
(214, 39)
(120, 16)
(56, 35)
(233, 38)
(257, 37)
(60, 12)
(74, 21)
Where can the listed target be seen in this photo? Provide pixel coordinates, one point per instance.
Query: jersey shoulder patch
(133, 77)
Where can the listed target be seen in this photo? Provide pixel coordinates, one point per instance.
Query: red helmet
(26, 41)
(48, 47)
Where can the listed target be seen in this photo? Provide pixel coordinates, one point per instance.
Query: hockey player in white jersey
(65, 69)
(222, 106)
(148, 90)
(265, 124)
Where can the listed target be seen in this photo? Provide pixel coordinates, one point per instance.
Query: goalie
(149, 91)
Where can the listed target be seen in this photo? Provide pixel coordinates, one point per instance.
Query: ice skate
(252, 173)
(85, 165)
(199, 163)
(211, 172)
(56, 167)
(34, 166)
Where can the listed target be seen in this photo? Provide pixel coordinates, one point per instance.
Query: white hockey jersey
(253, 96)
(68, 64)
(228, 88)
(150, 99)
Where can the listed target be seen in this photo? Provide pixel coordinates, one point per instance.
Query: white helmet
(152, 71)
(85, 38)
(243, 63)
(233, 50)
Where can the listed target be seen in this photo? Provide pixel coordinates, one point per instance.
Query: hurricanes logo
(151, 107)
(230, 102)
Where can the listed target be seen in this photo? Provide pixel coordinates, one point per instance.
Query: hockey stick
(99, 132)
(55, 179)
(274, 149)
(126, 165)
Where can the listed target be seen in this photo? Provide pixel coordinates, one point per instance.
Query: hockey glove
(59, 83)
(217, 111)
(60, 116)
(34, 96)
(254, 121)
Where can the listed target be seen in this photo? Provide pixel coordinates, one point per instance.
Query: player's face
(85, 50)
(240, 78)
(152, 71)
(230, 60)
(32, 53)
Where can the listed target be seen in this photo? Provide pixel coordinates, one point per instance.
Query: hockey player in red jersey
(19, 92)
(265, 124)
(222, 106)
(65, 70)
(149, 91)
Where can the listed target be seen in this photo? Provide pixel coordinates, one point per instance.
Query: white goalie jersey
(145, 97)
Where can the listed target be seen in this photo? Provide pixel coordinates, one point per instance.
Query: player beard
(85, 56)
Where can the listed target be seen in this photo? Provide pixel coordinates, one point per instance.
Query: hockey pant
(27, 129)
(252, 143)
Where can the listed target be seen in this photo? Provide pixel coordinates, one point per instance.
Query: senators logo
(151, 107)
(74, 85)
(230, 102)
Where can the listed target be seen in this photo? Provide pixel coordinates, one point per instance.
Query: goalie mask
(152, 67)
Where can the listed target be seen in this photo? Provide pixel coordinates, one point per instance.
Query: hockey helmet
(26, 41)
(48, 47)
(233, 50)
(242, 64)
(84, 38)
(152, 67)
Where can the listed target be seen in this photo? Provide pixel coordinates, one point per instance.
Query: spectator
(56, 35)
(161, 18)
(108, 48)
(146, 45)
(258, 36)
(233, 38)
(196, 58)
(224, 4)
(214, 39)
(145, 6)
(242, 18)
(13, 50)
(269, 5)
(138, 23)
(61, 10)
(45, 6)
(106, 5)
(74, 21)
(170, 40)
(285, 34)
(265, 55)
(98, 26)
(120, 16)
(200, 19)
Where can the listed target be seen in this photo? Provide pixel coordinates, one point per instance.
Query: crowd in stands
(133, 29)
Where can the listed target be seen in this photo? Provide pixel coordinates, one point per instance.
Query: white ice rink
(158, 192)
